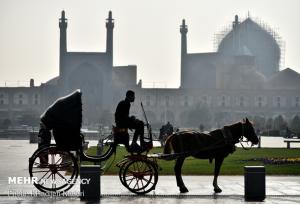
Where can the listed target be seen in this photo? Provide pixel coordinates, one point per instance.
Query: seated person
(123, 120)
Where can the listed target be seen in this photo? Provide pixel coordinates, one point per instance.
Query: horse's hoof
(184, 190)
(217, 190)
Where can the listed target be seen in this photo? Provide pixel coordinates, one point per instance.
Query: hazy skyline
(146, 33)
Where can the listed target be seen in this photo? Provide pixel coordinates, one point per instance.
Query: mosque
(241, 78)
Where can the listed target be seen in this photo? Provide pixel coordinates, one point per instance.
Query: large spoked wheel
(53, 170)
(121, 171)
(140, 176)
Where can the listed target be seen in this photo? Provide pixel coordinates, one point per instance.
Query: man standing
(123, 120)
(169, 128)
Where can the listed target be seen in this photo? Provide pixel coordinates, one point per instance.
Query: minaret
(63, 23)
(236, 37)
(183, 31)
(235, 22)
(109, 36)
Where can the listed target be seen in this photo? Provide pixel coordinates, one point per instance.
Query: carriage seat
(117, 130)
(121, 136)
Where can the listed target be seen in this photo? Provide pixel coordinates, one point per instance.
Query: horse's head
(249, 132)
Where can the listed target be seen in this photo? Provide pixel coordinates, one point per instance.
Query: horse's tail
(168, 145)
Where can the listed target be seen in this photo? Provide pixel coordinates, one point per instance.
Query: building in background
(241, 78)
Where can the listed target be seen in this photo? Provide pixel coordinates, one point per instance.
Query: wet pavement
(14, 160)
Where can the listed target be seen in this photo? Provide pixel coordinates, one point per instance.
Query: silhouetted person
(201, 128)
(123, 120)
(289, 133)
(161, 136)
(165, 131)
(169, 128)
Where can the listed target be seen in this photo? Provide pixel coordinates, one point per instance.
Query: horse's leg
(218, 163)
(177, 169)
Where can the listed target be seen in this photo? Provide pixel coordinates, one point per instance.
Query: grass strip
(232, 165)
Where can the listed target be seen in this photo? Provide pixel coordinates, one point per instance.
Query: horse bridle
(241, 139)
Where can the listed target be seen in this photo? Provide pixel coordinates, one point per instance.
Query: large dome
(259, 42)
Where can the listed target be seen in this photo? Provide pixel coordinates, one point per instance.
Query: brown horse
(217, 145)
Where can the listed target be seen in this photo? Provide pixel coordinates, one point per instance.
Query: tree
(259, 122)
(199, 114)
(5, 124)
(295, 124)
(220, 118)
(269, 124)
(279, 123)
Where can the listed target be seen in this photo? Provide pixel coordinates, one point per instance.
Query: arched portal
(89, 80)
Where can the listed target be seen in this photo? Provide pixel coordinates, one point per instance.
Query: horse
(217, 145)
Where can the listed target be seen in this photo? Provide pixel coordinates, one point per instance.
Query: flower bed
(277, 161)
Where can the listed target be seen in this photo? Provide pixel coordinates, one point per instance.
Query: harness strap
(227, 135)
(228, 138)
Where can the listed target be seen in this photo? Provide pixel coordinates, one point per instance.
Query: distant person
(288, 133)
(201, 127)
(123, 120)
(169, 128)
(161, 136)
(44, 136)
(258, 132)
(165, 131)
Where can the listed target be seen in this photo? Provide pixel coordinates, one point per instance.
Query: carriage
(55, 167)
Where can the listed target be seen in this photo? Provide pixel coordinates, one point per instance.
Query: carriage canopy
(64, 118)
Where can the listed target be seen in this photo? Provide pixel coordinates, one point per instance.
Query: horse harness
(229, 143)
(227, 135)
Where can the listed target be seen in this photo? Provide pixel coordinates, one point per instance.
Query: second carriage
(54, 168)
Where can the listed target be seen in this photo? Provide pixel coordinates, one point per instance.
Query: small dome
(53, 81)
(285, 79)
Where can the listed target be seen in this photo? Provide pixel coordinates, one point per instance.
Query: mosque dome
(252, 39)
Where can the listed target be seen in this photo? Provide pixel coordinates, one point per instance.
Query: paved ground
(14, 160)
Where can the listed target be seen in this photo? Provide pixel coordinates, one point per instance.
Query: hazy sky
(146, 33)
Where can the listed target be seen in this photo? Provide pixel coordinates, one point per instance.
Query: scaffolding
(277, 38)
(219, 36)
(14, 84)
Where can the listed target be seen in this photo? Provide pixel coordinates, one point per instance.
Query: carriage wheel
(53, 170)
(121, 171)
(140, 176)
